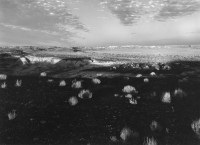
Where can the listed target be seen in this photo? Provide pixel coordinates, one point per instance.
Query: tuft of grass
(195, 125)
(96, 81)
(3, 76)
(179, 93)
(85, 94)
(76, 84)
(50, 80)
(12, 115)
(125, 133)
(146, 80)
(129, 89)
(73, 101)
(138, 76)
(166, 67)
(62, 83)
(18, 83)
(129, 96)
(150, 141)
(153, 74)
(133, 101)
(155, 126)
(43, 74)
(166, 97)
(3, 85)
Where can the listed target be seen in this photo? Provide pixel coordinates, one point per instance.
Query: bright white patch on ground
(3, 76)
(85, 94)
(18, 83)
(12, 115)
(129, 89)
(166, 98)
(36, 59)
(73, 101)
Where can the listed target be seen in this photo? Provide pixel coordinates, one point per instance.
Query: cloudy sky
(99, 22)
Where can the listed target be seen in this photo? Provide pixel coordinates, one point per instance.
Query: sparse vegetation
(3, 85)
(85, 94)
(62, 83)
(150, 141)
(166, 97)
(3, 76)
(76, 84)
(129, 89)
(67, 115)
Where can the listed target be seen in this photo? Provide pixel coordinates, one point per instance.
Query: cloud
(125, 10)
(43, 15)
(28, 29)
(176, 8)
(130, 11)
(17, 35)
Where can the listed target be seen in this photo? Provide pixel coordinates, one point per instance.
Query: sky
(99, 22)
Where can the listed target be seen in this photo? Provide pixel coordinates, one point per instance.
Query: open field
(96, 97)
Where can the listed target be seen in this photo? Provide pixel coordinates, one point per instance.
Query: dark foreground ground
(43, 114)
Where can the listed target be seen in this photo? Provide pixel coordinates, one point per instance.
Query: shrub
(125, 133)
(43, 74)
(3, 85)
(146, 80)
(166, 98)
(73, 101)
(3, 76)
(76, 84)
(96, 81)
(196, 127)
(150, 141)
(129, 89)
(12, 115)
(153, 74)
(138, 76)
(133, 101)
(85, 94)
(62, 83)
(18, 83)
